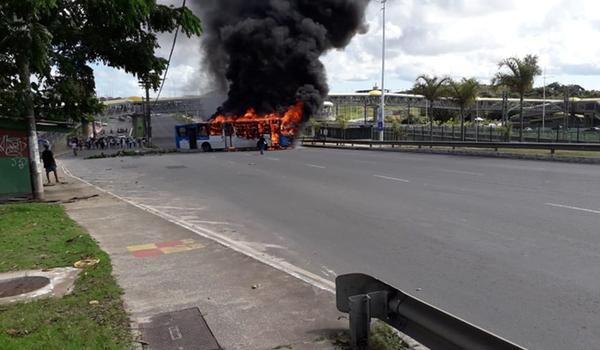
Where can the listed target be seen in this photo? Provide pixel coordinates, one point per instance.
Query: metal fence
(453, 133)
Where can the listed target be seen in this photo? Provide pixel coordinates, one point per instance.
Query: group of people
(102, 143)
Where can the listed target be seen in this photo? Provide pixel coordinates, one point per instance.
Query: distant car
(593, 129)
(528, 129)
(104, 124)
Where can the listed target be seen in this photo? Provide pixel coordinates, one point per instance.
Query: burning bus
(242, 132)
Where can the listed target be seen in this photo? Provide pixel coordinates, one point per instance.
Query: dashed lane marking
(391, 178)
(573, 208)
(315, 166)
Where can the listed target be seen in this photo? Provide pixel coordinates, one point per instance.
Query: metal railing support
(365, 297)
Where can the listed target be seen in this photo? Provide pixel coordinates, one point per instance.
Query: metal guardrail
(552, 147)
(365, 297)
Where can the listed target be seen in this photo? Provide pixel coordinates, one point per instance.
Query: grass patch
(37, 236)
(382, 337)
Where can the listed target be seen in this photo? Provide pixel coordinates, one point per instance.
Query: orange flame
(252, 125)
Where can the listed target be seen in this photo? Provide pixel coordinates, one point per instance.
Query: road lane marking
(572, 208)
(461, 172)
(275, 159)
(391, 178)
(315, 166)
(175, 208)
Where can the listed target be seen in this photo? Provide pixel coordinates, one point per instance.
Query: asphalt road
(510, 245)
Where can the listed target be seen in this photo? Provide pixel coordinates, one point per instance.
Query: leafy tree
(464, 93)
(316, 126)
(343, 121)
(518, 77)
(396, 128)
(48, 45)
(432, 88)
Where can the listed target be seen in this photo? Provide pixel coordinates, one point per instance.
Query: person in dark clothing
(49, 163)
(262, 144)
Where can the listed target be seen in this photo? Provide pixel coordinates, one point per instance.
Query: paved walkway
(164, 267)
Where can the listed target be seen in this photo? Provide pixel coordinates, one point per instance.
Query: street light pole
(381, 123)
(544, 102)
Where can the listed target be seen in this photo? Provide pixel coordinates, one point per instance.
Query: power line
(162, 83)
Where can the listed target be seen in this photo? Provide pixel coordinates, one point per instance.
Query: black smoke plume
(265, 53)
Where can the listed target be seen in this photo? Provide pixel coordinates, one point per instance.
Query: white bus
(219, 136)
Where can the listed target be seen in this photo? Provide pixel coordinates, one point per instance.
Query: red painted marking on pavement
(169, 244)
(147, 253)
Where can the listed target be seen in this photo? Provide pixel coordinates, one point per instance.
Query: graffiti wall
(15, 178)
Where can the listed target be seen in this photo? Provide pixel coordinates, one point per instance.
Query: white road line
(461, 172)
(275, 159)
(315, 166)
(391, 178)
(572, 208)
(140, 198)
(277, 263)
(175, 208)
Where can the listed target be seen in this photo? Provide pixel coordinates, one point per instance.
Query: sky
(455, 38)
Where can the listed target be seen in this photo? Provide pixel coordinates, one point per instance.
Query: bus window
(202, 130)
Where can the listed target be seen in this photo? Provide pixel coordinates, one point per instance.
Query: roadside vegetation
(383, 337)
(41, 236)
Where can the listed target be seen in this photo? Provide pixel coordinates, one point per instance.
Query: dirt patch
(22, 285)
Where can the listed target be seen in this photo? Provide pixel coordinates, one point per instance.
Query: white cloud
(443, 37)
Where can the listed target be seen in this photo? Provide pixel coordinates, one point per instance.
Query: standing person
(262, 144)
(74, 147)
(49, 163)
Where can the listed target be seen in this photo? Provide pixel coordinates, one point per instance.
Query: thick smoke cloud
(265, 53)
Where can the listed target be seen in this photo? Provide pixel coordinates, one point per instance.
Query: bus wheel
(206, 147)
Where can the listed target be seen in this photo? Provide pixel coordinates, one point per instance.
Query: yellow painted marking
(194, 245)
(176, 249)
(135, 248)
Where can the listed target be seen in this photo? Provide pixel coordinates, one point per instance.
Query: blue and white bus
(202, 136)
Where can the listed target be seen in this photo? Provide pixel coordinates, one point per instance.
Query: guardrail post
(364, 297)
(360, 321)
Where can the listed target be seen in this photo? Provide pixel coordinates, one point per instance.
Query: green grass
(37, 236)
(382, 337)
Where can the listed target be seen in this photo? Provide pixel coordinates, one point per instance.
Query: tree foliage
(59, 40)
(464, 92)
(518, 76)
(432, 88)
(519, 73)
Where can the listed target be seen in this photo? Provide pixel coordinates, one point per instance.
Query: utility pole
(544, 102)
(567, 109)
(148, 114)
(145, 84)
(381, 123)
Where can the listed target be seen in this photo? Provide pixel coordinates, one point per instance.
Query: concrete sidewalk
(164, 267)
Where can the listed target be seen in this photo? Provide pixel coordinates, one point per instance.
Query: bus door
(228, 131)
(193, 136)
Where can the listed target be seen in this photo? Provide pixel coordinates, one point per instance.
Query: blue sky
(458, 38)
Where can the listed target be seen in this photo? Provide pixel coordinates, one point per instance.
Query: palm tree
(464, 93)
(432, 88)
(518, 78)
